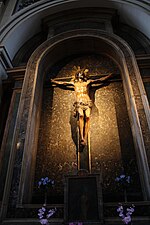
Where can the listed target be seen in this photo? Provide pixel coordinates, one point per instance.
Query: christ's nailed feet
(83, 142)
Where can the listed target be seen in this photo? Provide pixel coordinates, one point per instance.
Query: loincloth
(82, 105)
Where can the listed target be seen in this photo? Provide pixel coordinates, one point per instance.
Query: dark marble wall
(6, 147)
(112, 147)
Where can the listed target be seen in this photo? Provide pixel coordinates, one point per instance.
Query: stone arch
(26, 131)
(24, 20)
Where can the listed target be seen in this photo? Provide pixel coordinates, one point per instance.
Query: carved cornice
(81, 18)
(143, 60)
(16, 73)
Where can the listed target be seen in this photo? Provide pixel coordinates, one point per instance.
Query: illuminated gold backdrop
(110, 133)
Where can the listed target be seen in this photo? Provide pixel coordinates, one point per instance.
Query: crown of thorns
(80, 73)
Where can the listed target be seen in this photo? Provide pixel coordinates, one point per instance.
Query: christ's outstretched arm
(66, 83)
(101, 79)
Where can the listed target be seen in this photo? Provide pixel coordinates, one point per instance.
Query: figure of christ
(83, 103)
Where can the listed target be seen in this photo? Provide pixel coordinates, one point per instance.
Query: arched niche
(26, 132)
(26, 19)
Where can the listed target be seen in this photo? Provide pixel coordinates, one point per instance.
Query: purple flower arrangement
(124, 182)
(125, 216)
(123, 179)
(45, 182)
(44, 214)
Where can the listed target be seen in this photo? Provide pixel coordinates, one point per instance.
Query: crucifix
(81, 83)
